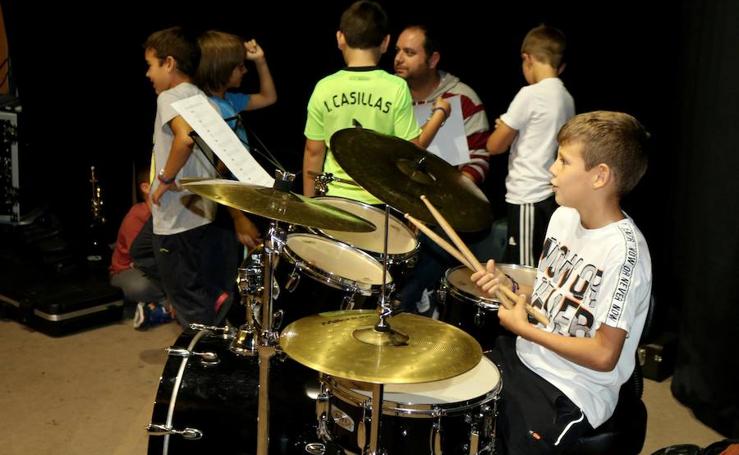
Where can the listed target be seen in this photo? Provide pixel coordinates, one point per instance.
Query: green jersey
(376, 99)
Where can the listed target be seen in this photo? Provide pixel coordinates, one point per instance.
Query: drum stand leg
(265, 356)
(268, 341)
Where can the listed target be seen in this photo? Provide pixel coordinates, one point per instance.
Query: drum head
(327, 257)
(401, 239)
(477, 383)
(458, 279)
(523, 274)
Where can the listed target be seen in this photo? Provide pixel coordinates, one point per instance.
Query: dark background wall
(86, 101)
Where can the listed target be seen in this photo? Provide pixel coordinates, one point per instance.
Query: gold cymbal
(278, 205)
(398, 172)
(345, 344)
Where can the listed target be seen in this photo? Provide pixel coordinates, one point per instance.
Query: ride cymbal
(398, 172)
(278, 205)
(345, 344)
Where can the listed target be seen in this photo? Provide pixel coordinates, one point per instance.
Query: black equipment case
(64, 306)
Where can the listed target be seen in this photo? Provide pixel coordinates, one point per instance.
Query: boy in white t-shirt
(594, 285)
(529, 128)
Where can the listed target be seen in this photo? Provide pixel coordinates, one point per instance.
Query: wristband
(439, 108)
(164, 180)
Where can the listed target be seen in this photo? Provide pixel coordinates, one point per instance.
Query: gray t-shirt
(178, 211)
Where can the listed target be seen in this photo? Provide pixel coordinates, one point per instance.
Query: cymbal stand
(377, 391)
(381, 335)
(384, 311)
(274, 241)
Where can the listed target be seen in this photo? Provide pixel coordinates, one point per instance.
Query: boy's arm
(182, 145)
(313, 156)
(434, 123)
(247, 232)
(267, 93)
(501, 139)
(600, 352)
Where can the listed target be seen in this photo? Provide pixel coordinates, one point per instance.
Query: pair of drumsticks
(505, 295)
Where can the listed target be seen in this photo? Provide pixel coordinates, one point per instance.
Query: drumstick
(471, 259)
(439, 241)
(505, 301)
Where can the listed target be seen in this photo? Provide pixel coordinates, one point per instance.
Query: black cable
(271, 158)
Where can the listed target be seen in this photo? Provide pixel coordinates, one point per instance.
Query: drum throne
(625, 431)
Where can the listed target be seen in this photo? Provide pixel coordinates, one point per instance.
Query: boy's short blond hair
(612, 138)
(546, 44)
(220, 54)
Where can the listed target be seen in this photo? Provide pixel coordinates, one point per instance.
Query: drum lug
(322, 410)
(293, 279)
(277, 319)
(436, 438)
(441, 294)
(479, 317)
(164, 430)
(207, 359)
(347, 303)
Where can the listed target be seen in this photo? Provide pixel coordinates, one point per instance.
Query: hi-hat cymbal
(398, 172)
(342, 344)
(278, 205)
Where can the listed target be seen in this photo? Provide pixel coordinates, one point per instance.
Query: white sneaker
(423, 305)
(139, 316)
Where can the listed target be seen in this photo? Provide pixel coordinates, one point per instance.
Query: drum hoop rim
(401, 257)
(488, 303)
(333, 279)
(420, 410)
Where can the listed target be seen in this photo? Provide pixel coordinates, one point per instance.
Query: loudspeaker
(10, 207)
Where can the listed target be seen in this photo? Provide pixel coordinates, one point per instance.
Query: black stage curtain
(706, 244)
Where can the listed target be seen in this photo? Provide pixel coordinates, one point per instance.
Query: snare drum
(462, 303)
(402, 244)
(452, 416)
(316, 274)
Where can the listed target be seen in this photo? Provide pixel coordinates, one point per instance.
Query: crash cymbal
(344, 344)
(398, 172)
(278, 205)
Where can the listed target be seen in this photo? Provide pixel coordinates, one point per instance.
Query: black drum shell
(222, 401)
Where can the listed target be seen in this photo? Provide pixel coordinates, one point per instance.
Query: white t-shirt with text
(589, 277)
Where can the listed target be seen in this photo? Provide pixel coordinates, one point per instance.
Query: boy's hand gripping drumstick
(472, 262)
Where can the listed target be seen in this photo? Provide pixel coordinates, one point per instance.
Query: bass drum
(462, 304)
(207, 401)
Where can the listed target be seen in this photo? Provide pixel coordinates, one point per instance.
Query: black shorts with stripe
(534, 417)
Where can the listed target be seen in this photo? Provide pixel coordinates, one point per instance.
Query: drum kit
(317, 300)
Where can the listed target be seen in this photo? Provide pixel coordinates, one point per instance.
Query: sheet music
(210, 126)
(450, 143)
